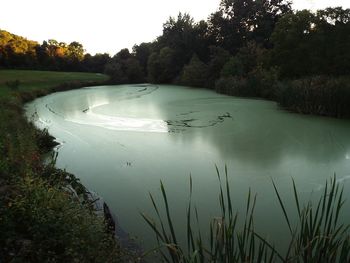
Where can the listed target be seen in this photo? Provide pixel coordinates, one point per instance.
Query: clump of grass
(13, 85)
(321, 95)
(227, 243)
(317, 236)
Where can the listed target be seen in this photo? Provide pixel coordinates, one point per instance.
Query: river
(122, 140)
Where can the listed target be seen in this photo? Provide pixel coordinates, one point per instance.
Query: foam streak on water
(121, 123)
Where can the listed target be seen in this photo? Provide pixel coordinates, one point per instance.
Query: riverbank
(315, 95)
(46, 214)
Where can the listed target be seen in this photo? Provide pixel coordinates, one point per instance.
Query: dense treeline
(260, 49)
(245, 48)
(18, 52)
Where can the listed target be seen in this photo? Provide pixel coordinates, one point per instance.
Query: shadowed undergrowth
(45, 215)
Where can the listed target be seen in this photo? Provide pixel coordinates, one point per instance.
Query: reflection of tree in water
(253, 132)
(261, 137)
(146, 89)
(176, 125)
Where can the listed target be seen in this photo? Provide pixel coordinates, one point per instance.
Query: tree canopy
(240, 38)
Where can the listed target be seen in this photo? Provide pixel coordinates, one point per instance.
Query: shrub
(13, 85)
(44, 140)
(239, 86)
(234, 86)
(43, 223)
(194, 73)
(320, 95)
(257, 83)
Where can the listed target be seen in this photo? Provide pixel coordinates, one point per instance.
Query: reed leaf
(315, 237)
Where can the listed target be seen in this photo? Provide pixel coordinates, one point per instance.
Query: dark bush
(234, 86)
(194, 73)
(320, 95)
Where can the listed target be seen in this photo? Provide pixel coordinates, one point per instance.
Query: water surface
(122, 140)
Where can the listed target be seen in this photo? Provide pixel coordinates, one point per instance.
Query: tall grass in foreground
(316, 236)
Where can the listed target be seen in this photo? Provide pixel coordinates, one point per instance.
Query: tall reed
(316, 235)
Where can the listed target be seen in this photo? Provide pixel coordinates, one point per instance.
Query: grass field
(31, 80)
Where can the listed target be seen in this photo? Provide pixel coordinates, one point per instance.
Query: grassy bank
(30, 80)
(42, 219)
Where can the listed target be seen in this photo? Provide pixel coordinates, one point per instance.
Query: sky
(109, 25)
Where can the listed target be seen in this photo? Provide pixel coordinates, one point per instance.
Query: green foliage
(240, 21)
(246, 48)
(244, 75)
(291, 44)
(41, 218)
(95, 63)
(316, 95)
(116, 72)
(184, 37)
(18, 52)
(316, 235)
(43, 223)
(195, 73)
(142, 53)
(161, 67)
(234, 67)
(227, 243)
(124, 68)
(181, 39)
(312, 44)
(234, 86)
(218, 58)
(75, 51)
(44, 140)
(252, 47)
(153, 68)
(268, 82)
(245, 61)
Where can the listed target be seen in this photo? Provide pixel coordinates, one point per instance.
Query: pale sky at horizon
(109, 25)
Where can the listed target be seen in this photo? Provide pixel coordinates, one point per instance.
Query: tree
(333, 38)
(293, 45)
(124, 68)
(142, 53)
(240, 21)
(134, 71)
(184, 37)
(153, 68)
(218, 58)
(245, 61)
(16, 51)
(162, 67)
(95, 63)
(116, 72)
(75, 51)
(194, 73)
